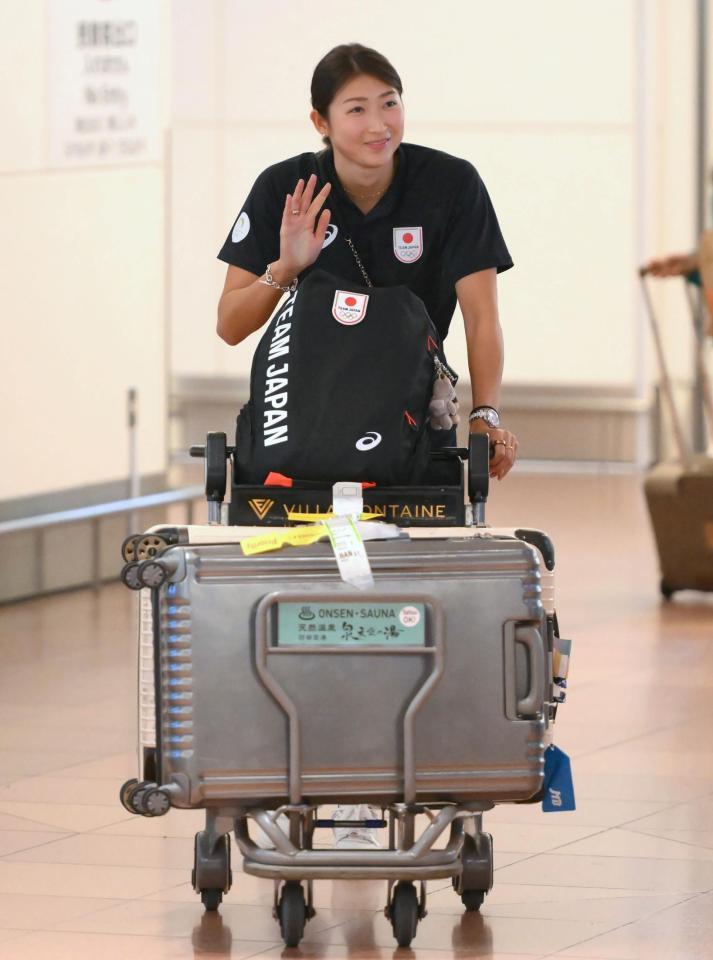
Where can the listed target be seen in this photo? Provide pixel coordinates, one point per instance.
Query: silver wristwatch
(489, 414)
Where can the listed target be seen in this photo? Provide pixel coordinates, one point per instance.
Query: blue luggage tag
(559, 787)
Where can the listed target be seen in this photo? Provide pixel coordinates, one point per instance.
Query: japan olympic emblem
(349, 308)
(408, 243)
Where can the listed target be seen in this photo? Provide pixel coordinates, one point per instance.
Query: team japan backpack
(340, 387)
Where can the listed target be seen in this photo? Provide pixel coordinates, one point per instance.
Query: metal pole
(684, 455)
(134, 481)
(698, 418)
(96, 554)
(700, 358)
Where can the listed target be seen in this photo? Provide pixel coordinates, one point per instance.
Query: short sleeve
(254, 240)
(473, 238)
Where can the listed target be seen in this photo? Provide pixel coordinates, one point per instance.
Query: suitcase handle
(435, 653)
(684, 453)
(531, 638)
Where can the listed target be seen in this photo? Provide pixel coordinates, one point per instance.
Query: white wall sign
(104, 79)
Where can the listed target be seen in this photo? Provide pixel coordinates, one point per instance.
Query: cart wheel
(476, 877)
(211, 899)
(292, 913)
(666, 590)
(125, 794)
(211, 876)
(472, 899)
(404, 913)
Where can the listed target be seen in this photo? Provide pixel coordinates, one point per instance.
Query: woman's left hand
(503, 448)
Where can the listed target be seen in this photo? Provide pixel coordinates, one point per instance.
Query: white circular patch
(332, 231)
(369, 441)
(241, 228)
(409, 616)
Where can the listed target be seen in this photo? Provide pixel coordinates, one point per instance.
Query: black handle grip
(478, 467)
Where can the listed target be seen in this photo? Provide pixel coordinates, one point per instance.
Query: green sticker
(354, 624)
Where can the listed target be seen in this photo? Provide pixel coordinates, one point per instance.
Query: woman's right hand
(300, 241)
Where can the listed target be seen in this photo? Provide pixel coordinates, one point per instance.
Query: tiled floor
(628, 876)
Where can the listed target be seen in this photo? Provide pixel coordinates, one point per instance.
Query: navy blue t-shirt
(434, 225)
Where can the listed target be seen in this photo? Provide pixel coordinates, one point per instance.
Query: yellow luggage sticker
(294, 536)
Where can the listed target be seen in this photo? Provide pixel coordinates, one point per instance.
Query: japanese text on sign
(363, 624)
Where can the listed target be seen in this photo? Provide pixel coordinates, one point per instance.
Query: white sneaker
(262, 839)
(356, 838)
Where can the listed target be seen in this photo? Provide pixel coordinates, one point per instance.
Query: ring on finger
(295, 213)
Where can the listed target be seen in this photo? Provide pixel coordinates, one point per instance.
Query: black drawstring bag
(340, 386)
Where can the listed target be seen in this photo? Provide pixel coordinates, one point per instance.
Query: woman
(416, 216)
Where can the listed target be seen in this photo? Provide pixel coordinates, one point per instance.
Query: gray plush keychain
(443, 408)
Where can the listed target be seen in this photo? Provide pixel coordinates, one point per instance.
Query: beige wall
(81, 274)
(578, 115)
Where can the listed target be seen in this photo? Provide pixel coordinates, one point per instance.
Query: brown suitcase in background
(679, 494)
(680, 502)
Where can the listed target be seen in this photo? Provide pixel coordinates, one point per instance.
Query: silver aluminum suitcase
(268, 684)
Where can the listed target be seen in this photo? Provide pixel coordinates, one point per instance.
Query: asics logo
(332, 231)
(369, 441)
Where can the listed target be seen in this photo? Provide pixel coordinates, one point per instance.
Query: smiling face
(364, 122)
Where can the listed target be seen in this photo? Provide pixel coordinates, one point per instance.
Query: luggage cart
(241, 715)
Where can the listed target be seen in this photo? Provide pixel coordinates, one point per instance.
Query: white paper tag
(347, 499)
(350, 552)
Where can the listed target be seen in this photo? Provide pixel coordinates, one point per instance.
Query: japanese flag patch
(349, 308)
(408, 243)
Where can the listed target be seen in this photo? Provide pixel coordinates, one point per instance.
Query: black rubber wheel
(404, 913)
(152, 574)
(211, 899)
(130, 575)
(211, 864)
(292, 913)
(472, 899)
(155, 802)
(477, 872)
(134, 795)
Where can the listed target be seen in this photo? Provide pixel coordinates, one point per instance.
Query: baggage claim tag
(349, 551)
(559, 787)
(347, 499)
(347, 543)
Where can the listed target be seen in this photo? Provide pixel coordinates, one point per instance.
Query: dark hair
(342, 64)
